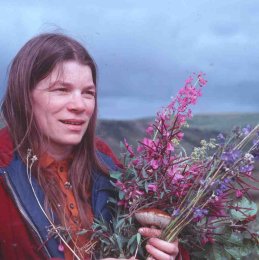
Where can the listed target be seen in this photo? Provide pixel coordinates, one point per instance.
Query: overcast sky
(146, 49)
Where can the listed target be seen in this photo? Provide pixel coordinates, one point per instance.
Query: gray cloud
(146, 49)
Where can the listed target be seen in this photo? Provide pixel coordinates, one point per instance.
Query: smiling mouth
(72, 122)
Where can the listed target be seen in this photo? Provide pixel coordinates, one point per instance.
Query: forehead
(70, 68)
(70, 72)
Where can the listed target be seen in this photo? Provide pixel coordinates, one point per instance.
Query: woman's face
(63, 104)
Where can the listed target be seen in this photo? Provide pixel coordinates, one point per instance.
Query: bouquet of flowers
(202, 198)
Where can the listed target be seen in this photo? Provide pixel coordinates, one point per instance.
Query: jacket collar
(6, 147)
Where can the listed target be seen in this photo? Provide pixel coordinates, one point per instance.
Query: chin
(73, 142)
(70, 141)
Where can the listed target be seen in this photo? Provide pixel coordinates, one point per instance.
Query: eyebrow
(67, 84)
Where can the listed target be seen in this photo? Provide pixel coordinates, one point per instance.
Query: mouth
(72, 122)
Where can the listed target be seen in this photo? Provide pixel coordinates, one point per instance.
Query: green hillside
(224, 122)
(201, 127)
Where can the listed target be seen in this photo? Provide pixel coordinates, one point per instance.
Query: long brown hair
(34, 62)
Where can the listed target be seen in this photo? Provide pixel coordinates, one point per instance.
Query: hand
(132, 258)
(158, 248)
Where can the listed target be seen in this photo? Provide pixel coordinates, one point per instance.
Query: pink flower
(136, 162)
(164, 115)
(149, 130)
(239, 193)
(206, 240)
(171, 106)
(181, 119)
(202, 81)
(120, 185)
(138, 192)
(180, 135)
(175, 175)
(60, 248)
(154, 164)
(146, 142)
(189, 81)
(121, 203)
(152, 187)
(170, 147)
(189, 113)
(129, 148)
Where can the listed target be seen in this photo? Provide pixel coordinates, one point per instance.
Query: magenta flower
(202, 81)
(154, 164)
(120, 185)
(239, 193)
(170, 147)
(121, 203)
(180, 135)
(150, 130)
(152, 187)
(129, 148)
(175, 175)
(146, 144)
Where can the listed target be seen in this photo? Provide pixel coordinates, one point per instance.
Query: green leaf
(121, 195)
(220, 227)
(119, 242)
(122, 146)
(144, 174)
(245, 248)
(236, 239)
(82, 232)
(113, 200)
(244, 209)
(138, 238)
(162, 194)
(233, 251)
(116, 174)
(146, 186)
(216, 253)
(132, 240)
(119, 223)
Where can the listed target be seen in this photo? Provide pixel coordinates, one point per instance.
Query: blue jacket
(15, 180)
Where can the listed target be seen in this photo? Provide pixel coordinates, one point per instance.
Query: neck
(58, 153)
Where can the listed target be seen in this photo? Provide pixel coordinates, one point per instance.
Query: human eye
(89, 93)
(61, 89)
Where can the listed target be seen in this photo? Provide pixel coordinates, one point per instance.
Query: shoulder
(6, 147)
(106, 152)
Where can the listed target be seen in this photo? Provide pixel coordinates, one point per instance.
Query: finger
(170, 248)
(149, 232)
(157, 254)
(150, 258)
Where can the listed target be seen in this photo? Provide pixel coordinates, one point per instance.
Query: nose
(77, 103)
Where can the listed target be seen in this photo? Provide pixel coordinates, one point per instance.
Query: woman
(50, 110)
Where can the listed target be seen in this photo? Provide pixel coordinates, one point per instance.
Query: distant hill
(224, 122)
(113, 132)
(201, 127)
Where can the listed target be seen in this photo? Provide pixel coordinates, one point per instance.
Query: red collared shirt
(60, 168)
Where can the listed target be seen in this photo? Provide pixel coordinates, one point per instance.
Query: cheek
(42, 113)
(91, 107)
(41, 117)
